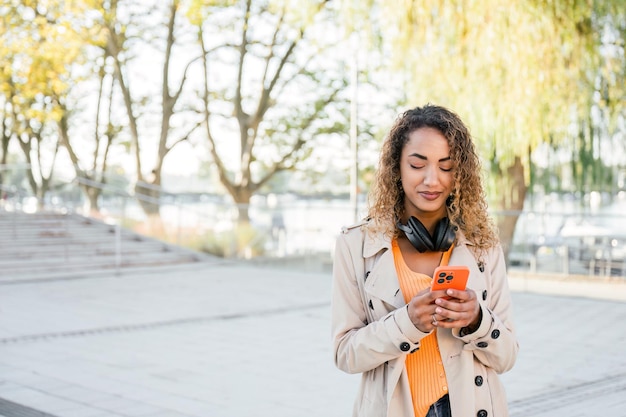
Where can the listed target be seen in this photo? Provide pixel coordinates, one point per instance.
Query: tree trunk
(242, 200)
(148, 195)
(513, 193)
(92, 194)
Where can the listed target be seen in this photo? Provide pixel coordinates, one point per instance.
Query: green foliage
(42, 45)
(517, 72)
(198, 10)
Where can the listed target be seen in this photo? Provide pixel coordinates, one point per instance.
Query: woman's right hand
(422, 307)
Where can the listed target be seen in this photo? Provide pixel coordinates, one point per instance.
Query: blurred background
(250, 130)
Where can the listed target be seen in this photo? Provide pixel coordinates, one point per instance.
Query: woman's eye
(416, 166)
(446, 169)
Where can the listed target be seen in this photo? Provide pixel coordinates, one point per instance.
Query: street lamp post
(354, 145)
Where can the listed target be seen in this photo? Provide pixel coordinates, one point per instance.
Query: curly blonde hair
(467, 205)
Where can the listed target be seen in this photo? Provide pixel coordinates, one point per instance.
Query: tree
(126, 34)
(597, 140)
(90, 167)
(282, 92)
(518, 73)
(5, 136)
(39, 46)
(51, 49)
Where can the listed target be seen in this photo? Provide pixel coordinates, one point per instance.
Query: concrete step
(42, 267)
(48, 243)
(79, 243)
(60, 258)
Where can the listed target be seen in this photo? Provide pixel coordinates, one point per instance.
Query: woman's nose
(431, 175)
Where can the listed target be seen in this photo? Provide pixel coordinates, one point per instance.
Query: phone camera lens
(449, 277)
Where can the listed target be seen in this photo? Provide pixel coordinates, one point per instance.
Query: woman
(422, 352)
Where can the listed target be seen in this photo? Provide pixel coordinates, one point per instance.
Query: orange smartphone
(450, 276)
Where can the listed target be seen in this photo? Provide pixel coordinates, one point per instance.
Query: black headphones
(421, 239)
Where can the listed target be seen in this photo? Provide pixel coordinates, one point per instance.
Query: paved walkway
(225, 340)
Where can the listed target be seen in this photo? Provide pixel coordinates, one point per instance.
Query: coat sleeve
(360, 342)
(494, 343)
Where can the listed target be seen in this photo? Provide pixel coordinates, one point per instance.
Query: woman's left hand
(461, 309)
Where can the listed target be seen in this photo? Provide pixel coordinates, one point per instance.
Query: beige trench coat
(372, 332)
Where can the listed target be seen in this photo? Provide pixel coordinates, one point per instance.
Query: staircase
(52, 245)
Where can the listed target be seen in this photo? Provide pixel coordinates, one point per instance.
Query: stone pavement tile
(615, 404)
(7, 386)
(141, 410)
(87, 396)
(18, 360)
(72, 401)
(30, 378)
(86, 412)
(40, 400)
(120, 405)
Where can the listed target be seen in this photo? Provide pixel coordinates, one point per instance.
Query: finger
(453, 304)
(438, 294)
(447, 315)
(452, 319)
(455, 310)
(447, 325)
(465, 295)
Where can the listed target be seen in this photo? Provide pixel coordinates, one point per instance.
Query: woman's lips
(430, 196)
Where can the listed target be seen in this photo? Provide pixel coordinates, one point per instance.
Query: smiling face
(426, 172)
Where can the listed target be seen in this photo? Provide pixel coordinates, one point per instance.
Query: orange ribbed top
(427, 377)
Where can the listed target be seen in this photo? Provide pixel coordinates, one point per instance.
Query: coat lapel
(379, 264)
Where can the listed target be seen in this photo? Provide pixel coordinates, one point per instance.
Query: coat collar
(374, 243)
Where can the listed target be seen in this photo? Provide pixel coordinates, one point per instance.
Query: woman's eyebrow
(426, 159)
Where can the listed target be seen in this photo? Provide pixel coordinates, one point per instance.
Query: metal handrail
(303, 238)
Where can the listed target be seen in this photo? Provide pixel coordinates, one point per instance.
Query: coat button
(485, 295)
(482, 344)
(482, 413)
(404, 346)
(495, 334)
(478, 380)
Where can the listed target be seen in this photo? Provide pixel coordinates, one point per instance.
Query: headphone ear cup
(444, 235)
(411, 235)
(406, 229)
(420, 238)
